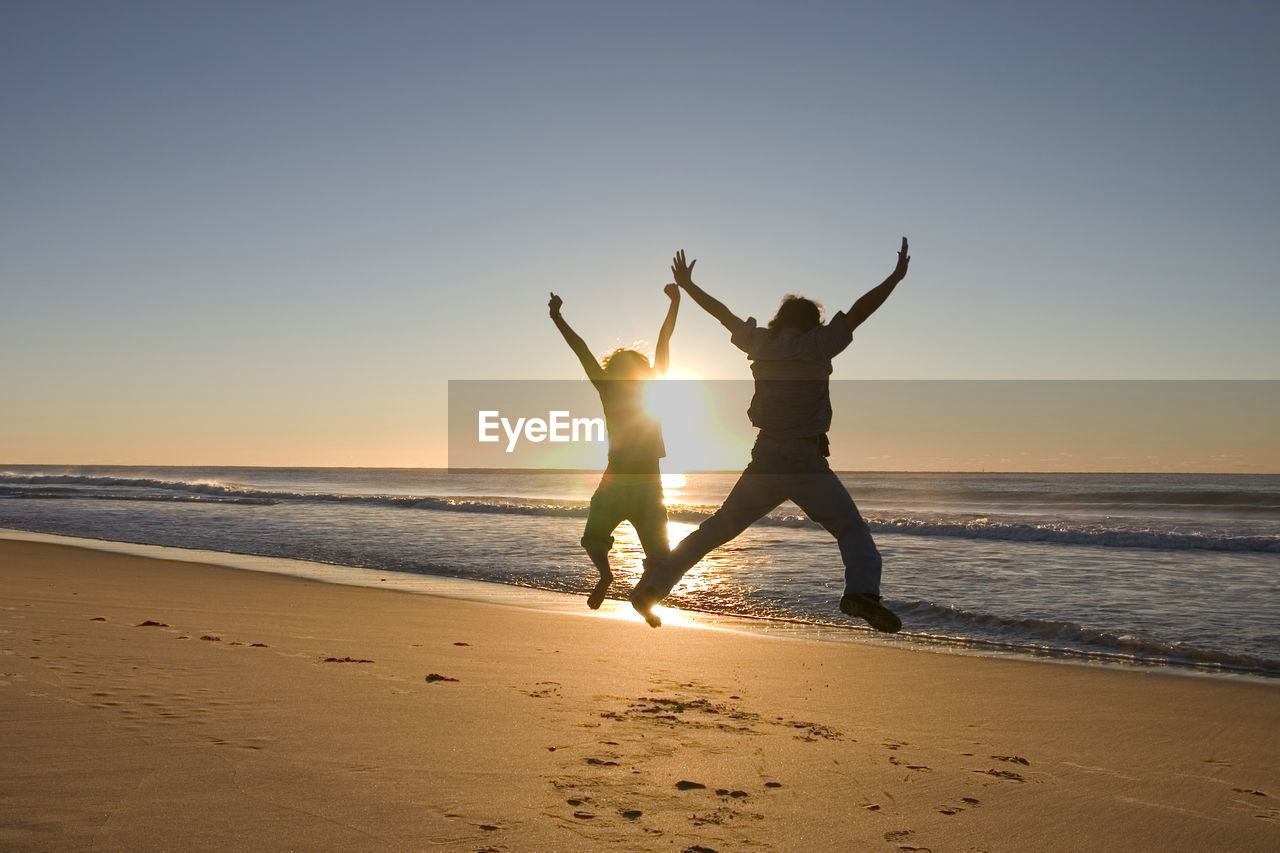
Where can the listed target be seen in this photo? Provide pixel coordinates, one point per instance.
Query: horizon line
(598, 470)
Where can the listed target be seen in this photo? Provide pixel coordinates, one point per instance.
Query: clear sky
(271, 232)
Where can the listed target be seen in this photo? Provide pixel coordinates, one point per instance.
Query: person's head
(626, 364)
(796, 312)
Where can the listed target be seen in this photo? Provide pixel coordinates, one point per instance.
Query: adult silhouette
(791, 408)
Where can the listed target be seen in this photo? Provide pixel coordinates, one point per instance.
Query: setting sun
(691, 426)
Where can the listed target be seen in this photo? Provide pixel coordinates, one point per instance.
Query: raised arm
(707, 302)
(875, 297)
(575, 342)
(662, 356)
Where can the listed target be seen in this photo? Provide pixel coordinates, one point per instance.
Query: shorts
(634, 499)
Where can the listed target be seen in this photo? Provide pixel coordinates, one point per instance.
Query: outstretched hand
(554, 306)
(682, 272)
(900, 271)
(672, 291)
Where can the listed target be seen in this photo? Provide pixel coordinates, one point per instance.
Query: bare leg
(650, 522)
(600, 557)
(604, 515)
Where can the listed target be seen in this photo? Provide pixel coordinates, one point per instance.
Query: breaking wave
(73, 486)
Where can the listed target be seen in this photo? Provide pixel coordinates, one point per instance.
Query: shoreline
(148, 701)
(573, 604)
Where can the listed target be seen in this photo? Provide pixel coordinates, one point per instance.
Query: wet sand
(153, 704)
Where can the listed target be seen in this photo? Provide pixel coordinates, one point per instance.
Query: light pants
(780, 470)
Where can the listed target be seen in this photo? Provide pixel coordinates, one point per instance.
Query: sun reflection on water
(627, 560)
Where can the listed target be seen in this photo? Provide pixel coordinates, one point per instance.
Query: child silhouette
(631, 488)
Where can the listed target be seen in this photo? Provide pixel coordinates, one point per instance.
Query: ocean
(1176, 571)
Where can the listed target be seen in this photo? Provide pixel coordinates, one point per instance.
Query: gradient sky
(269, 232)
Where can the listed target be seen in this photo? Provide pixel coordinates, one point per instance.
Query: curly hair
(624, 364)
(796, 312)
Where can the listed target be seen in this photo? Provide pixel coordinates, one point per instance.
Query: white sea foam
(1077, 532)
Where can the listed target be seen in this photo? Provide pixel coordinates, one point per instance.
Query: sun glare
(680, 403)
(623, 611)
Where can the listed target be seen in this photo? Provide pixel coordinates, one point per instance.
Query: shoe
(864, 605)
(643, 600)
(646, 593)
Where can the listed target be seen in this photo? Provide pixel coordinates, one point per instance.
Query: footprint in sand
(543, 690)
(967, 802)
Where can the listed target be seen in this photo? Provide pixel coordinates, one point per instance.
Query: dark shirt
(635, 436)
(792, 398)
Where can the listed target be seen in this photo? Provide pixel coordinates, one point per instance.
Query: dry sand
(563, 732)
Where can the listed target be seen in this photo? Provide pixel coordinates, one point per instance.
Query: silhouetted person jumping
(791, 362)
(631, 488)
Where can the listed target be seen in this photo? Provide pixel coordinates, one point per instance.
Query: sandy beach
(153, 704)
